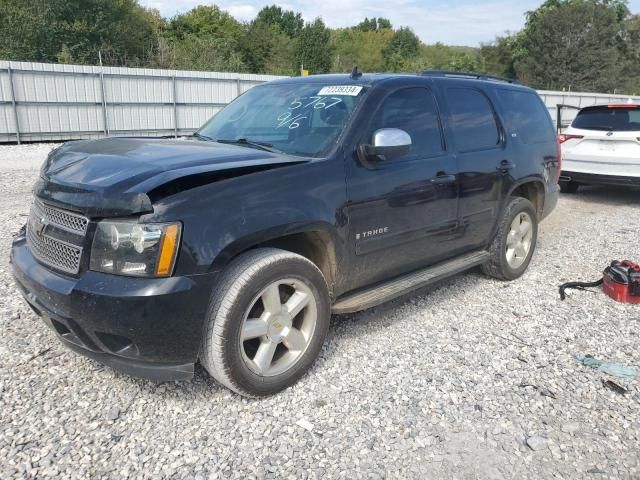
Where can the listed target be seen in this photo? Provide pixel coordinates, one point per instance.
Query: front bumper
(150, 328)
(595, 179)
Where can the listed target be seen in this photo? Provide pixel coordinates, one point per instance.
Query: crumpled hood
(113, 176)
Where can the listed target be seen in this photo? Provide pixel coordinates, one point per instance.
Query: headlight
(135, 249)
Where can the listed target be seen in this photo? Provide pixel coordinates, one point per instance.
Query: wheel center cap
(278, 328)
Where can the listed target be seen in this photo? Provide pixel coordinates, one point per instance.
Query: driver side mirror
(387, 144)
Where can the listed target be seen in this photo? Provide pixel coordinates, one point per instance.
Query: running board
(399, 286)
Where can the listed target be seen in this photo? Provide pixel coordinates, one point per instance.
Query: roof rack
(479, 76)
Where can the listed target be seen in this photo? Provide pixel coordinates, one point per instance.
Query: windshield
(303, 119)
(615, 119)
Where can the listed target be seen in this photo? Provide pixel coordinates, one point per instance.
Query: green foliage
(75, 30)
(373, 24)
(206, 38)
(287, 21)
(444, 57)
(313, 49)
(204, 21)
(401, 50)
(631, 54)
(27, 30)
(384, 24)
(266, 49)
(354, 47)
(267, 45)
(573, 44)
(206, 53)
(463, 63)
(498, 58)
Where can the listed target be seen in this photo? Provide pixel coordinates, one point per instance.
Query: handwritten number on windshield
(293, 122)
(316, 102)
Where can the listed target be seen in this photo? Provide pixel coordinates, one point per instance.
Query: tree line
(581, 45)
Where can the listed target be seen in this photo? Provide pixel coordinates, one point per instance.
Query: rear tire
(569, 187)
(267, 321)
(515, 241)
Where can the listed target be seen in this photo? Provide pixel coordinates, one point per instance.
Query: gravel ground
(474, 379)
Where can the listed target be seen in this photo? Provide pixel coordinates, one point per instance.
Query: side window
(473, 121)
(527, 116)
(414, 111)
(634, 119)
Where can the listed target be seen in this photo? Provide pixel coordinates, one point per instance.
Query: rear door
(531, 138)
(482, 161)
(603, 140)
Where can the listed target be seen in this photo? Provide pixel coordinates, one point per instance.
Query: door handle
(505, 166)
(443, 179)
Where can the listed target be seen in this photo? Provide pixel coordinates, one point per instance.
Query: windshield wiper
(250, 143)
(203, 137)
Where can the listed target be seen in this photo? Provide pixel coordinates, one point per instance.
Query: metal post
(103, 99)
(13, 104)
(238, 87)
(175, 109)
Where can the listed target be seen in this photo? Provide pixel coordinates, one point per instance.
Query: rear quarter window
(473, 121)
(526, 115)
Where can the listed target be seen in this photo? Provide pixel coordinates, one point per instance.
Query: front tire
(515, 241)
(267, 321)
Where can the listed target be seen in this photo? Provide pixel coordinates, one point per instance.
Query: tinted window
(414, 111)
(620, 119)
(527, 116)
(474, 124)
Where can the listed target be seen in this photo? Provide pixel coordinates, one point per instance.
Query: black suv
(303, 197)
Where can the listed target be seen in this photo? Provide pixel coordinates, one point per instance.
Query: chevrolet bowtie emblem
(40, 225)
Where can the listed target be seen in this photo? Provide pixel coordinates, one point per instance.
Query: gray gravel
(474, 379)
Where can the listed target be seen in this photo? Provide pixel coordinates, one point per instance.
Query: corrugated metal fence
(40, 101)
(60, 102)
(553, 99)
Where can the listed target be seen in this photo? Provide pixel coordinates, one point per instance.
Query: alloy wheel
(519, 240)
(278, 327)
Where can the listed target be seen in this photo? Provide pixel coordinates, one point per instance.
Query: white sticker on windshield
(349, 90)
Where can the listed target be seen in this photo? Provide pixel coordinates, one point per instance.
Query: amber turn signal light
(168, 251)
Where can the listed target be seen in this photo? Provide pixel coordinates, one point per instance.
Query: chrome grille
(47, 249)
(69, 221)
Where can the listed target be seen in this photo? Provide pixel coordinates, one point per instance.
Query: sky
(453, 22)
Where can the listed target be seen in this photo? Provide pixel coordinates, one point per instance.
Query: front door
(402, 212)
